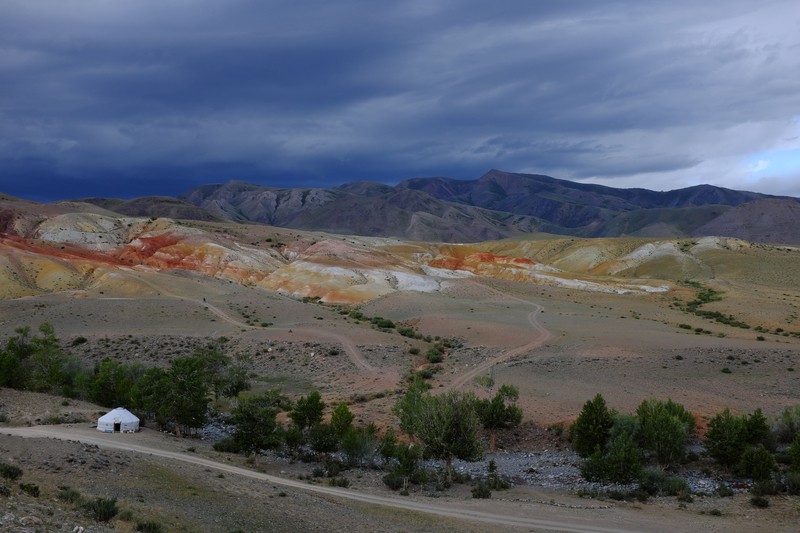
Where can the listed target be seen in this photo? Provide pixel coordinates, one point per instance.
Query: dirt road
(541, 335)
(451, 510)
(349, 347)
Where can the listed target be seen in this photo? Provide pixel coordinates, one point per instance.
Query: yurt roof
(119, 413)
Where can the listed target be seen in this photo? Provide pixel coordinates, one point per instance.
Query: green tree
(592, 427)
(322, 438)
(499, 412)
(446, 425)
(388, 444)
(255, 421)
(666, 428)
(756, 463)
(788, 424)
(46, 361)
(406, 407)
(111, 383)
(308, 411)
(189, 393)
(622, 463)
(726, 438)
(13, 372)
(794, 454)
(360, 445)
(148, 396)
(342, 419)
(757, 429)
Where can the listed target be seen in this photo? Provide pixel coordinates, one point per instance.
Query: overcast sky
(128, 98)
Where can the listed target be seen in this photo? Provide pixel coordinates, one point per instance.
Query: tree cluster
(176, 396)
(617, 445)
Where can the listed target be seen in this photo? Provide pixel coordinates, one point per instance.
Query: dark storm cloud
(153, 97)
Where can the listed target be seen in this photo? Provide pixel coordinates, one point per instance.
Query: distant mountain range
(495, 206)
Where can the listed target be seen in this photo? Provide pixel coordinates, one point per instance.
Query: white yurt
(118, 420)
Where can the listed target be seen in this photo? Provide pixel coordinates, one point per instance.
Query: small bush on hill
(102, 509)
(10, 471)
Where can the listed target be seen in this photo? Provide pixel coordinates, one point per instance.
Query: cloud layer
(147, 97)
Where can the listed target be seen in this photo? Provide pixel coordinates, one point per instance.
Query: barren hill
(497, 205)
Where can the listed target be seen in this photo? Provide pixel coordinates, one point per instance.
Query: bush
(342, 482)
(675, 486)
(494, 481)
(149, 527)
(10, 471)
(481, 491)
(792, 482)
(68, 495)
(654, 482)
(759, 502)
(31, 489)
(726, 439)
(724, 491)
(621, 464)
(788, 424)
(394, 480)
(765, 488)
(666, 427)
(227, 445)
(435, 354)
(102, 509)
(757, 464)
(794, 454)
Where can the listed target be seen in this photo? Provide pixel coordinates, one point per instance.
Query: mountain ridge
(496, 205)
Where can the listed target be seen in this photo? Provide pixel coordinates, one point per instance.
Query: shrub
(435, 354)
(102, 509)
(666, 427)
(494, 481)
(413, 350)
(794, 454)
(149, 527)
(765, 488)
(757, 464)
(654, 481)
(10, 471)
(792, 482)
(724, 491)
(759, 502)
(674, 486)
(481, 490)
(725, 440)
(788, 424)
(227, 445)
(31, 489)
(69, 495)
(342, 482)
(394, 480)
(621, 464)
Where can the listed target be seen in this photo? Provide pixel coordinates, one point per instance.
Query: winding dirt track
(450, 510)
(541, 335)
(349, 347)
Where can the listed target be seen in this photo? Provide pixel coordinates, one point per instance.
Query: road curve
(56, 432)
(349, 347)
(541, 335)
